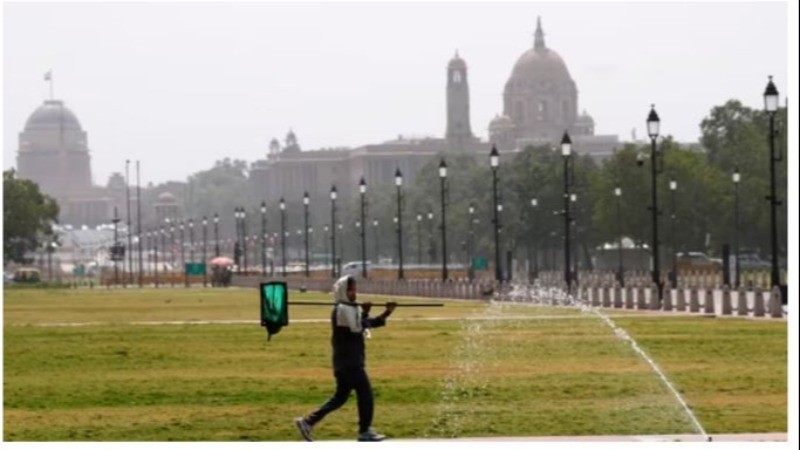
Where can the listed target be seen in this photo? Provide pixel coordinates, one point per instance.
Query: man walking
(350, 326)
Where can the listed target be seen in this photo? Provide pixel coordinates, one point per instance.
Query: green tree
(28, 215)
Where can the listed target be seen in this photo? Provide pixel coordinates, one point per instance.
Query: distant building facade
(540, 103)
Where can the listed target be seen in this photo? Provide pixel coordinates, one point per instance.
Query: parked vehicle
(354, 268)
(751, 261)
(696, 261)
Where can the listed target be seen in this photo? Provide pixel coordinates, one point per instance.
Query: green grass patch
(517, 371)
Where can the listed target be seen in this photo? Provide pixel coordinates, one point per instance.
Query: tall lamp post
(431, 249)
(183, 256)
(419, 239)
(333, 231)
(115, 251)
(236, 240)
(191, 241)
(771, 105)
(216, 234)
(736, 177)
(305, 213)
(494, 162)
(205, 243)
(325, 239)
(566, 152)
(673, 187)
(471, 244)
(362, 189)
(620, 268)
(283, 236)
(172, 251)
(243, 213)
(653, 125)
(443, 178)
(398, 181)
(377, 240)
(263, 238)
(130, 229)
(535, 237)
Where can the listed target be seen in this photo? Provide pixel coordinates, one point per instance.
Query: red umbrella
(221, 261)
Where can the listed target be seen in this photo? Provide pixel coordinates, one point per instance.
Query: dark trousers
(346, 381)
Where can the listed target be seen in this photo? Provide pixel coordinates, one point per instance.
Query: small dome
(501, 122)
(53, 114)
(166, 197)
(585, 118)
(457, 63)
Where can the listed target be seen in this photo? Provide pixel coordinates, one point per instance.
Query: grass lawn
(517, 371)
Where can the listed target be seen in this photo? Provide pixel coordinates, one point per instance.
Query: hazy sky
(181, 85)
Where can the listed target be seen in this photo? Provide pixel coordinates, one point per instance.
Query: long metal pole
(567, 265)
(444, 232)
(776, 276)
(672, 238)
(216, 235)
(419, 240)
(333, 238)
(155, 254)
(244, 237)
(363, 238)
(620, 268)
(116, 257)
(400, 274)
(305, 206)
(205, 243)
(498, 274)
(130, 230)
(139, 221)
(654, 215)
(263, 243)
(283, 241)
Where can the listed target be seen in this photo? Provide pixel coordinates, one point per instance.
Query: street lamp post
(377, 241)
(566, 152)
(333, 231)
(620, 268)
(771, 105)
(283, 236)
(183, 256)
(443, 178)
(362, 188)
(172, 251)
(535, 237)
(398, 181)
(419, 239)
(471, 244)
(205, 243)
(130, 230)
(155, 254)
(673, 187)
(736, 177)
(263, 238)
(431, 249)
(244, 236)
(494, 162)
(653, 125)
(305, 212)
(216, 234)
(325, 239)
(191, 240)
(116, 247)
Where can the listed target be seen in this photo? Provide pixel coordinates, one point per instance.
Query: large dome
(539, 64)
(53, 114)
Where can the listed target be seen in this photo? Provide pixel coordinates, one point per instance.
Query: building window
(456, 76)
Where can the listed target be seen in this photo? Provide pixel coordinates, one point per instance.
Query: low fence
(755, 302)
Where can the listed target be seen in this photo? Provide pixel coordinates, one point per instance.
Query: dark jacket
(349, 326)
(348, 345)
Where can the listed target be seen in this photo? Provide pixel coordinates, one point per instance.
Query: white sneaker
(370, 436)
(304, 428)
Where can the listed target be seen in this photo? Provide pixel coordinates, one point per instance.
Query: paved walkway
(747, 437)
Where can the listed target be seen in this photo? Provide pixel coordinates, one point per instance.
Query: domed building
(541, 100)
(53, 152)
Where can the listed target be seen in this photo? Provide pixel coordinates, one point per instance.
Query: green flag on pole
(274, 306)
